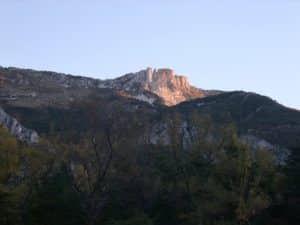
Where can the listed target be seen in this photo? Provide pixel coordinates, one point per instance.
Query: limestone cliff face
(16, 129)
(171, 88)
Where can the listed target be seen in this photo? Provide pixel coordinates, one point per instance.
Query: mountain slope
(25, 87)
(252, 114)
(46, 101)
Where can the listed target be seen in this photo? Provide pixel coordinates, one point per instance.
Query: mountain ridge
(161, 86)
(35, 97)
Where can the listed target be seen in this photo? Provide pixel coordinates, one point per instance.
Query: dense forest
(102, 176)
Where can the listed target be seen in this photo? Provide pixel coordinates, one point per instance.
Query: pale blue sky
(252, 45)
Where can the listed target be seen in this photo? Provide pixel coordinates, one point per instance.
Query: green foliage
(239, 185)
(288, 209)
(53, 202)
(95, 180)
(8, 208)
(137, 219)
(219, 182)
(9, 156)
(21, 167)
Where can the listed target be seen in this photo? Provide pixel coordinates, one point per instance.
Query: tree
(21, 167)
(287, 210)
(89, 161)
(89, 173)
(239, 185)
(9, 165)
(53, 201)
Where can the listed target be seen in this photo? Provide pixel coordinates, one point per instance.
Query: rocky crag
(15, 128)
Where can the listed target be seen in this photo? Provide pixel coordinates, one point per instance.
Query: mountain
(29, 88)
(145, 148)
(41, 88)
(37, 97)
(252, 114)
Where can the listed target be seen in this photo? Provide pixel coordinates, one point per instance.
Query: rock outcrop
(281, 154)
(169, 87)
(160, 135)
(16, 129)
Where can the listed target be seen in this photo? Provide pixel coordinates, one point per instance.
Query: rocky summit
(41, 88)
(164, 83)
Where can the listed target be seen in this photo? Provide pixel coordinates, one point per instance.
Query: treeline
(106, 177)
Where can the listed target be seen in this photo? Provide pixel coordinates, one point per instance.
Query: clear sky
(251, 45)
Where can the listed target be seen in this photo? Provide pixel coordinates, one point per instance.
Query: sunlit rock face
(171, 88)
